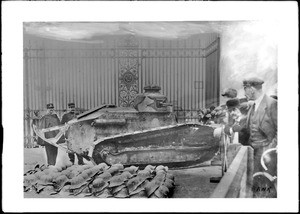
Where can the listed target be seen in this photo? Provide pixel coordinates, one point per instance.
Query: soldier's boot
(80, 160)
(72, 158)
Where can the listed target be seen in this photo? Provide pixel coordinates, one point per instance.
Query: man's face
(249, 92)
(72, 109)
(50, 110)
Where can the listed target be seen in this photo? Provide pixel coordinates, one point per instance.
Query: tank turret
(152, 100)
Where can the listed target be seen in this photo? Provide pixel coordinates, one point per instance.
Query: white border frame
(15, 13)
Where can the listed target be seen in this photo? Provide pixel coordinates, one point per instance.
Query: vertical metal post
(250, 169)
(218, 70)
(26, 110)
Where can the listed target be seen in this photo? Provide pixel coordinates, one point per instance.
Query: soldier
(48, 120)
(66, 118)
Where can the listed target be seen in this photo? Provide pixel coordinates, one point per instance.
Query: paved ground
(33, 156)
(195, 182)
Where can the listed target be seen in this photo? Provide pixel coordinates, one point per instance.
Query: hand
(236, 128)
(227, 129)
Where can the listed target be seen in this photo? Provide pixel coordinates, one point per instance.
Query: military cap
(252, 82)
(50, 106)
(71, 105)
(233, 103)
(230, 92)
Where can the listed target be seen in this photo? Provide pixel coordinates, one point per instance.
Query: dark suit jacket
(266, 114)
(49, 121)
(67, 117)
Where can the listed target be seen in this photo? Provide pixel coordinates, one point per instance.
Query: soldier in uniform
(49, 120)
(66, 118)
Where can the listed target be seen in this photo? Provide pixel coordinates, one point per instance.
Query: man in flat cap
(66, 118)
(262, 116)
(261, 123)
(230, 93)
(50, 119)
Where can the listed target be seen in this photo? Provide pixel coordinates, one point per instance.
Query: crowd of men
(255, 119)
(51, 119)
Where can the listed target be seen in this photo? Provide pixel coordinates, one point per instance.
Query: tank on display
(144, 134)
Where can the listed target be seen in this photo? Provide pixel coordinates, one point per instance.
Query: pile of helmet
(101, 181)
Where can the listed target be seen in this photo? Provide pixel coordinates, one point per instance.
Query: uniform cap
(71, 105)
(254, 81)
(50, 106)
(230, 92)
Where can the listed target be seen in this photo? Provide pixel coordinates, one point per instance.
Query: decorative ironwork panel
(214, 46)
(173, 53)
(128, 71)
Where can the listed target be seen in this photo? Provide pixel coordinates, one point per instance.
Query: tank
(147, 133)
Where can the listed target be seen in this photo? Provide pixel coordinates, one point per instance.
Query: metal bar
(164, 74)
(129, 57)
(82, 97)
(117, 79)
(44, 81)
(193, 88)
(110, 91)
(170, 77)
(250, 170)
(189, 84)
(118, 48)
(177, 80)
(59, 99)
(38, 84)
(96, 83)
(91, 83)
(103, 79)
(213, 79)
(64, 84)
(218, 70)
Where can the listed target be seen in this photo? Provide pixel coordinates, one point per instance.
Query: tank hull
(182, 145)
(110, 122)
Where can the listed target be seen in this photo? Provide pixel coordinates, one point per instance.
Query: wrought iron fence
(92, 76)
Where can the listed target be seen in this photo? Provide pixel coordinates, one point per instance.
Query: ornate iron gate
(93, 75)
(128, 71)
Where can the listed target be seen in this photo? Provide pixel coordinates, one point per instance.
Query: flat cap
(254, 81)
(230, 93)
(233, 103)
(71, 105)
(50, 106)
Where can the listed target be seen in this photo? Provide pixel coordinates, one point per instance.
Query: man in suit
(262, 117)
(66, 118)
(48, 120)
(262, 126)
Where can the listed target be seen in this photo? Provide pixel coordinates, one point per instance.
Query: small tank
(145, 134)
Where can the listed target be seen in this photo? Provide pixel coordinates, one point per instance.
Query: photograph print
(181, 109)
